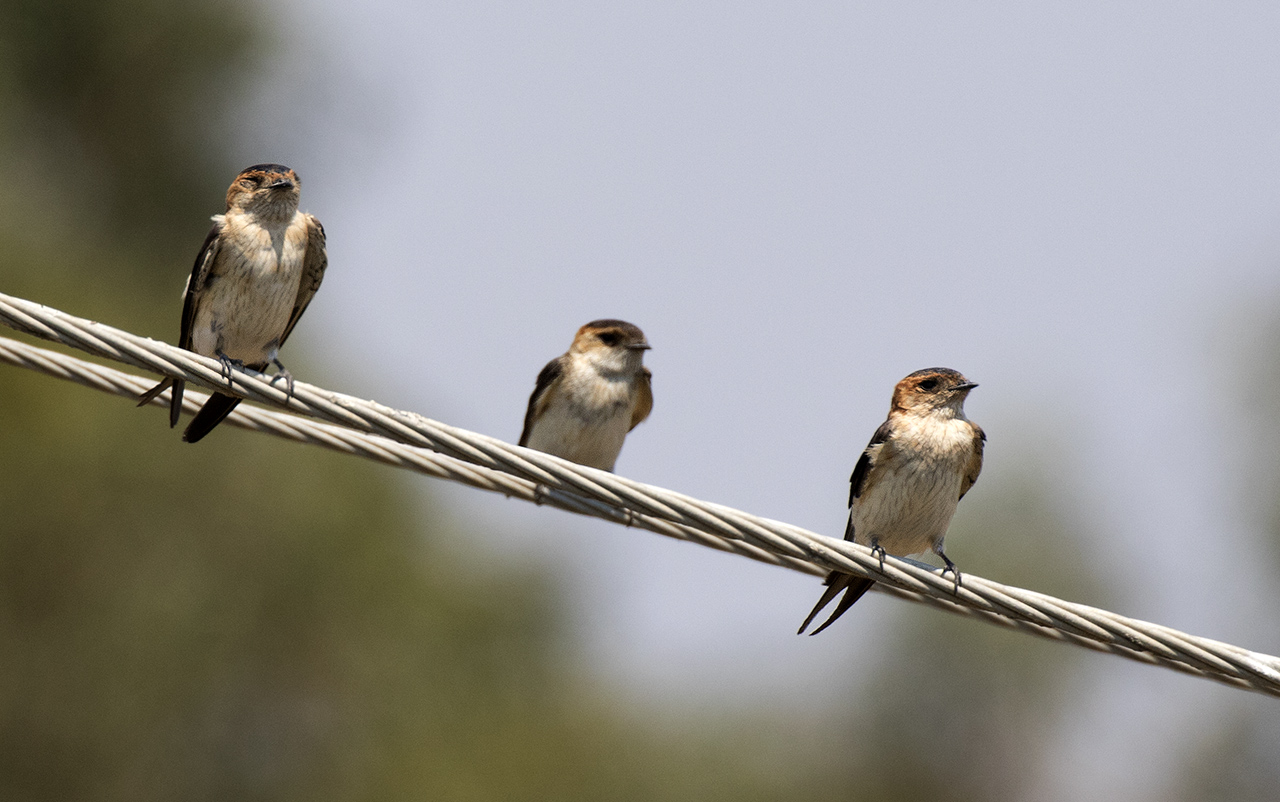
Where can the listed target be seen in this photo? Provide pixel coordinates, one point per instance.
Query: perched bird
(254, 276)
(908, 481)
(587, 400)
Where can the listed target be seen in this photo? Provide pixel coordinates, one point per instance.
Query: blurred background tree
(962, 710)
(1238, 757)
(233, 622)
(106, 105)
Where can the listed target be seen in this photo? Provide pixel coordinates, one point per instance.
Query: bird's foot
(282, 373)
(878, 551)
(227, 364)
(951, 567)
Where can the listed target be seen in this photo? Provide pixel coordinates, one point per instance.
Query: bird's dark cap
(266, 168)
(610, 323)
(631, 335)
(953, 375)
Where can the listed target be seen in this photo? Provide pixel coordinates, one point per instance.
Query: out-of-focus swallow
(908, 481)
(254, 276)
(587, 400)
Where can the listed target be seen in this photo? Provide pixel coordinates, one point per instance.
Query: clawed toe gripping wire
(406, 440)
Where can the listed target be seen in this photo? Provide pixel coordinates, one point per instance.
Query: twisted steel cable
(407, 440)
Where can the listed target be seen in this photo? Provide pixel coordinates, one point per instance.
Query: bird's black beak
(640, 346)
(283, 183)
(965, 386)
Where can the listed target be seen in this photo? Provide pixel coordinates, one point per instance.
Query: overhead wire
(406, 440)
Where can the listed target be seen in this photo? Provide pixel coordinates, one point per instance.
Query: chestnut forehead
(941, 374)
(265, 172)
(619, 326)
(266, 168)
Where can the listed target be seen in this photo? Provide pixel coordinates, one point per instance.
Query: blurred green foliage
(241, 624)
(963, 710)
(109, 105)
(229, 621)
(1238, 760)
(1236, 754)
(1260, 408)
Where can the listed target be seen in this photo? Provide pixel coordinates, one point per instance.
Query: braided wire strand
(407, 440)
(430, 463)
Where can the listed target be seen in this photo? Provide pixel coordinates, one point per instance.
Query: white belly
(910, 506)
(248, 299)
(589, 431)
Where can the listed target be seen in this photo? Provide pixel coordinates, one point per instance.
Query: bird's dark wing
(313, 266)
(644, 402)
(862, 470)
(541, 395)
(974, 467)
(195, 285)
(859, 483)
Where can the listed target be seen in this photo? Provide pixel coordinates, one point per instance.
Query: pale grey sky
(1074, 204)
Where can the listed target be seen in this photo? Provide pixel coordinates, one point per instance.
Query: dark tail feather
(146, 397)
(210, 415)
(853, 586)
(835, 583)
(175, 401)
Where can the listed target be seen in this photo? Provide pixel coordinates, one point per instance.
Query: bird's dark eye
(928, 384)
(609, 337)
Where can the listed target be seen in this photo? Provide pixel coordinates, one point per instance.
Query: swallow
(257, 271)
(907, 483)
(587, 399)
